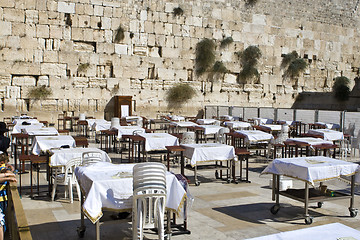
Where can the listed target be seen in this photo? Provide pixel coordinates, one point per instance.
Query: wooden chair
(81, 142)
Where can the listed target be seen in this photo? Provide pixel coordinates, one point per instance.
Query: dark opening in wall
(68, 72)
(3, 104)
(189, 74)
(68, 20)
(27, 104)
(306, 56)
(151, 72)
(160, 51)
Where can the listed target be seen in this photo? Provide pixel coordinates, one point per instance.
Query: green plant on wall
(205, 56)
(249, 59)
(341, 88)
(293, 64)
(39, 93)
(179, 94)
(120, 34)
(178, 11)
(226, 41)
(83, 67)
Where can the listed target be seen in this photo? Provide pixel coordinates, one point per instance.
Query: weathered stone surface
(65, 7)
(24, 81)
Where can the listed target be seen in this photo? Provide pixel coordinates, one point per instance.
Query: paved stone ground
(219, 210)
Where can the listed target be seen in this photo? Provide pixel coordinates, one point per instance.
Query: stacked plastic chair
(67, 178)
(149, 198)
(188, 138)
(220, 135)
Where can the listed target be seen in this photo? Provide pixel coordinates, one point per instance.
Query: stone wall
(70, 46)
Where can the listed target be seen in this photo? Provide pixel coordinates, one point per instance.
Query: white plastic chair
(67, 178)
(220, 135)
(91, 157)
(188, 138)
(149, 198)
(281, 138)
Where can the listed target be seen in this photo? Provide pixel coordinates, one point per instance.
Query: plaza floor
(219, 211)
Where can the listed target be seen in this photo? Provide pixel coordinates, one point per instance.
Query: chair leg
(70, 186)
(53, 191)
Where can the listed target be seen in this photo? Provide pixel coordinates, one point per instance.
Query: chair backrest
(136, 132)
(70, 167)
(350, 130)
(220, 135)
(188, 138)
(149, 175)
(91, 157)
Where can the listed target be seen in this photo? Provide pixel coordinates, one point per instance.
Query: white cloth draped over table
(327, 134)
(271, 127)
(28, 120)
(183, 124)
(312, 169)
(110, 186)
(310, 140)
(45, 143)
(44, 131)
(256, 136)
(176, 118)
(208, 152)
(210, 129)
(206, 121)
(59, 157)
(237, 124)
(158, 141)
(18, 128)
(259, 121)
(127, 130)
(98, 124)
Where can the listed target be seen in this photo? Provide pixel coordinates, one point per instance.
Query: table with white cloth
(27, 120)
(226, 118)
(127, 130)
(44, 131)
(19, 128)
(158, 141)
(312, 170)
(332, 231)
(258, 121)
(310, 143)
(209, 152)
(45, 143)
(176, 118)
(110, 186)
(177, 126)
(237, 125)
(327, 134)
(101, 124)
(206, 121)
(59, 157)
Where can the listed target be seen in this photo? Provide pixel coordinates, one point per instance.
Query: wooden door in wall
(123, 106)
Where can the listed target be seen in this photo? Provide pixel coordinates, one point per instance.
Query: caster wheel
(353, 213)
(81, 232)
(228, 181)
(308, 220)
(216, 175)
(275, 209)
(319, 204)
(197, 183)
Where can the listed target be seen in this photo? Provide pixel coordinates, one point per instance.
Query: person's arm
(10, 167)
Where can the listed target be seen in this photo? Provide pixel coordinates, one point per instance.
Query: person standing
(4, 140)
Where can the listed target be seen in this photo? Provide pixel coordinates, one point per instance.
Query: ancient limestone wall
(70, 46)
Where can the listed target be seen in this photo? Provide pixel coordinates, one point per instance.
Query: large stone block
(5, 28)
(14, 15)
(65, 7)
(98, 10)
(43, 81)
(166, 74)
(42, 31)
(13, 92)
(32, 16)
(53, 69)
(121, 49)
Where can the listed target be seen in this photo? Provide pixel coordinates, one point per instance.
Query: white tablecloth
(99, 124)
(176, 118)
(287, 122)
(237, 124)
(59, 157)
(44, 131)
(329, 125)
(256, 136)
(44, 143)
(226, 117)
(332, 231)
(158, 141)
(259, 121)
(328, 134)
(183, 124)
(28, 120)
(206, 121)
(311, 169)
(309, 140)
(18, 128)
(109, 186)
(128, 130)
(208, 152)
(210, 129)
(271, 127)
